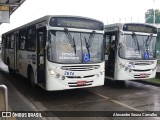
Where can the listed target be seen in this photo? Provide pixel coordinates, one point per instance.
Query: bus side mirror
(120, 45)
(47, 45)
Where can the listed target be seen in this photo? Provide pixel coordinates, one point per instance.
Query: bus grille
(80, 68)
(142, 64)
(141, 70)
(80, 76)
(142, 76)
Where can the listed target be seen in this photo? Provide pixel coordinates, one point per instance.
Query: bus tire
(10, 71)
(31, 78)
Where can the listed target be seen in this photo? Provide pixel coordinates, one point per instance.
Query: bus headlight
(101, 73)
(154, 69)
(97, 75)
(121, 65)
(52, 72)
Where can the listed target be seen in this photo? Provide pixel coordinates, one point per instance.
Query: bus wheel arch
(30, 76)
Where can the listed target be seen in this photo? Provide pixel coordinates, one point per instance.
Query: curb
(147, 83)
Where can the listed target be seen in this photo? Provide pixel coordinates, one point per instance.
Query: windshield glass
(74, 47)
(138, 47)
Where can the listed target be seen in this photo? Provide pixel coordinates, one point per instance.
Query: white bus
(57, 52)
(130, 51)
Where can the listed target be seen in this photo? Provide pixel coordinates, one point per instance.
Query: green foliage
(150, 14)
(158, 45)
(154, 80)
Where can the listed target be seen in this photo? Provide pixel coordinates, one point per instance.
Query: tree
(149, 15)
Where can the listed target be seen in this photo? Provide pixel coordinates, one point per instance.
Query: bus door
(16, 50)
(110, 55)
(41, 66)
(3, 49)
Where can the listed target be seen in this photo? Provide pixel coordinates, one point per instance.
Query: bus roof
(132, 27)
(120, 25)
(47, 18)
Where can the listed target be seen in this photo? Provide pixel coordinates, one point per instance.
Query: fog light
(126, 69)
(57, 75)
(63, 77)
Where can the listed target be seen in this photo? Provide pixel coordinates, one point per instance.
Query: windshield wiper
(87, 46)
(70, 39)
(148, 41)
(90, 40)
(135, 40)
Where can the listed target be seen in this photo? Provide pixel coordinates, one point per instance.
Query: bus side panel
(10, 58)
(22, 62)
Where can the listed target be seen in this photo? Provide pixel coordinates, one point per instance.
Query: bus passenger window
(22, 44)
(22, 40)
(31, 39)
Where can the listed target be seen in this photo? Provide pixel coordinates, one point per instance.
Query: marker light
(57, 75)
(126, 69)
(97, 75)
(63, 77)
(130, 70)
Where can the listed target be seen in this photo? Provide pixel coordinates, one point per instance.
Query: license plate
(143, 75)
(79, 83)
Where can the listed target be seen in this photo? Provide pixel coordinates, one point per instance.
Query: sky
(108, 11)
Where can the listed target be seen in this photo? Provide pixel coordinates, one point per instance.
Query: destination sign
(74, 22)
(139, 28)
(4, 8)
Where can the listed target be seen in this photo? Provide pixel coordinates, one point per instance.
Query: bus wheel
(10, 71)
(31, 79)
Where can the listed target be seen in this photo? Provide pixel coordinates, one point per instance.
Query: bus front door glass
(73, 47)
(138, 47)
(41, 55)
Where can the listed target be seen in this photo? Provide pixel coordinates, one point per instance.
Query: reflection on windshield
(138, 47)
(74, 47)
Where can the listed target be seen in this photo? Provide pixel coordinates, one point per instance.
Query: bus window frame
(29, 41)
(20, 39)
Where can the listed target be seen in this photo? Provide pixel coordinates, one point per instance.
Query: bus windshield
(74, 47)
(138, 47)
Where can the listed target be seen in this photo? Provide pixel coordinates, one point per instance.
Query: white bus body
(134, 54)
(57, 52)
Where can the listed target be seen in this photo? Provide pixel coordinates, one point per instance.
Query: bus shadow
(115, 83)
(126, 84)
